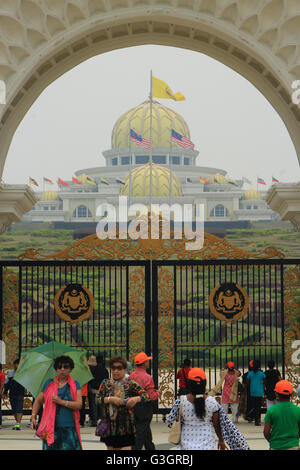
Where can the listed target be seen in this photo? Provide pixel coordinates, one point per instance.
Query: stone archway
(42, 39)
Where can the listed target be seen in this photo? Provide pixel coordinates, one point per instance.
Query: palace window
(219, 211)
(159, 159)
(175, 160)
(141, 159)
(186, 161)
(82, 212)
(125, 160)
(114, 161)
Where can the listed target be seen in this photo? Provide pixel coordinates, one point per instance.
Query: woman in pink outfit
(230, 390)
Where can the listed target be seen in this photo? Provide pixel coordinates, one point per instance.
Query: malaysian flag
(181, 140)
(103, 180)
(61, 182)
(204, 180)
(261, 181)
(47, 180)
(32, 181)
(120, 181)
(76, 180)
(139, 140)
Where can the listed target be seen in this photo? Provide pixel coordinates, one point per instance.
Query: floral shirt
(121, 418)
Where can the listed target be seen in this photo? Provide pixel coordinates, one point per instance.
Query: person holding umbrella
(59, 427)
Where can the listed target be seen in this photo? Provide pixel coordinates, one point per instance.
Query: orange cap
(251, 363)
(230, 365)
(141, 357)
(284, 387)
(197, 374)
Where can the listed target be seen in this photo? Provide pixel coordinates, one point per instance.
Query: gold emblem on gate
(229, 302)
(74, 303)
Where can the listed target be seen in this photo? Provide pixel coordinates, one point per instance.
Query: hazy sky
(231, 123)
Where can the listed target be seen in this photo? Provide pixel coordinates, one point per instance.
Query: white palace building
(127, 172)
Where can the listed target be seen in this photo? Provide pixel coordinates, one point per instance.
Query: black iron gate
(161, 307)
(111, 326)
(181, 294)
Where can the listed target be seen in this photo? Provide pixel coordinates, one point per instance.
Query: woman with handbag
(198, 415)
(59, 428)
(117, 397)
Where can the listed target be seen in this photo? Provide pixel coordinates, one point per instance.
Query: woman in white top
(199, 416)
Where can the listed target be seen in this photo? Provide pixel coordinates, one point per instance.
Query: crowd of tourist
(120, 406)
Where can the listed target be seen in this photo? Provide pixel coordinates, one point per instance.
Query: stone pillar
(284, 198)
(15, 201)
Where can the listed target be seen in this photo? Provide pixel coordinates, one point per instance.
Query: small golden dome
(49, 196)
(138, 119)
(252, 195)
(140, 180)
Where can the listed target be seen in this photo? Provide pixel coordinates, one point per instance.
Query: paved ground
(26, 440)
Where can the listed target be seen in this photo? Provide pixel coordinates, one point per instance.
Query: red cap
(230, 365)
(284, 387)
(141, 357)
(197, 374)
(251, 363)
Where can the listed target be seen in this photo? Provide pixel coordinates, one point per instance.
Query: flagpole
(150, 153)
(170, 166)
(130, 157)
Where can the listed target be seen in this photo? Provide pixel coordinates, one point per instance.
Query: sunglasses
(117, 368)
(64, 366)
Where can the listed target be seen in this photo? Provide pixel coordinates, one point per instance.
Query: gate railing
(152, 295)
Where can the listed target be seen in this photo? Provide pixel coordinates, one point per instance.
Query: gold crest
(74, 303)
(229, 301)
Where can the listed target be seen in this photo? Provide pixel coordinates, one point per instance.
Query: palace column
(15, 201)
(284, 198)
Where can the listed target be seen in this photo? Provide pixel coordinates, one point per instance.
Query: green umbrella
(36, 366)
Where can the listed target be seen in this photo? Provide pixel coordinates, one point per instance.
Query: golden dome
(140, 180)
(138, 119)
(49, 196)
(252, 195)
(218, 178)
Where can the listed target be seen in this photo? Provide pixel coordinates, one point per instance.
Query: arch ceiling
(42, 39)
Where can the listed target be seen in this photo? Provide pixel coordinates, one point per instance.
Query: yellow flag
(161, 89)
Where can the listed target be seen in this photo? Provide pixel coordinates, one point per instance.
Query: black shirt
(14, 388)
(272, 377)
(100, 373)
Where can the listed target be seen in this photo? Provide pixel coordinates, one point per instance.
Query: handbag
(103, 428)
(175, 431)
(241, 388)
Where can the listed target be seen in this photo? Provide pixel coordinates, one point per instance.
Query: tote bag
(175, 431)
